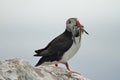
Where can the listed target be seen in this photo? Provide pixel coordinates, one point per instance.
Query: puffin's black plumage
(55, 49)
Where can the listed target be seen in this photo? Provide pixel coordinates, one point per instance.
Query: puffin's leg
(68, 68)
(56, 65)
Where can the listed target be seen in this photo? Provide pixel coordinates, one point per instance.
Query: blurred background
(27, 25)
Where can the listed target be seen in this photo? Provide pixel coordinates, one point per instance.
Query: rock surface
(18, 69)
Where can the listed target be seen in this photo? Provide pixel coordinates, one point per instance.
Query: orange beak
(78, 24)
(81, 27)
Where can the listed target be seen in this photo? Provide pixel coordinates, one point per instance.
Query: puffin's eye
(69, 22)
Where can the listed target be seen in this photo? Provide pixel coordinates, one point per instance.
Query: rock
(18, 69)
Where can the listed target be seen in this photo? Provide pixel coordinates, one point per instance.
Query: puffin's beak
(82, 27)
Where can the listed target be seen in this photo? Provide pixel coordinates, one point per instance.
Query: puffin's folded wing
(57, 46)
(41, 52)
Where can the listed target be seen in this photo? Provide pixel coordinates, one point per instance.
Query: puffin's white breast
(72, 51)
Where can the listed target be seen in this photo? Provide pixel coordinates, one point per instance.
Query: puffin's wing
(40, 51)
(57, 46)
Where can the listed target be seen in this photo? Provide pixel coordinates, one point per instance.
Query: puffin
(63, 47)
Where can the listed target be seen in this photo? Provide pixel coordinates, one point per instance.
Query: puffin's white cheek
(69, 27)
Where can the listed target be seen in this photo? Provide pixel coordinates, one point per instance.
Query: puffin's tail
(39, 62)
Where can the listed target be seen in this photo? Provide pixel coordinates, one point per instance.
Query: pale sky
(27, 25)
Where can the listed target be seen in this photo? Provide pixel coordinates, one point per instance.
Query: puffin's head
(73, 25)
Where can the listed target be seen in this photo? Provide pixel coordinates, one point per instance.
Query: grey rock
(18, 69)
